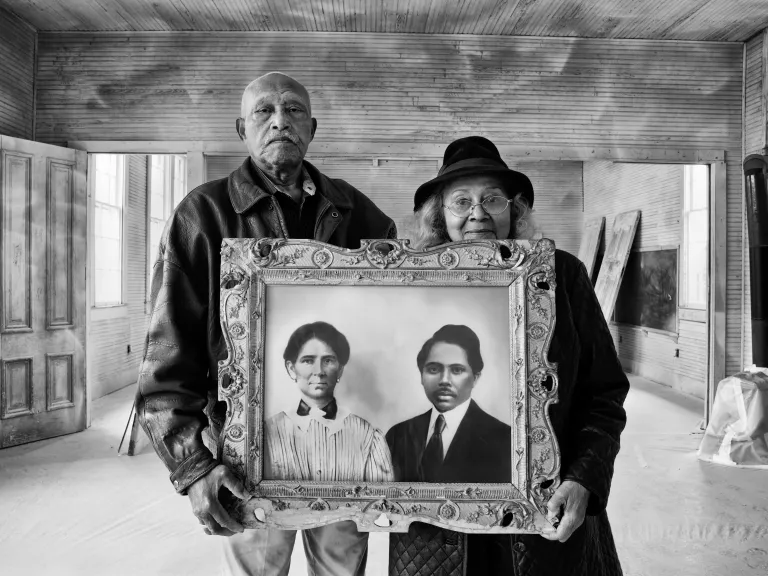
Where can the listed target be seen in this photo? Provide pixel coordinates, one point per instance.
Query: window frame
(694, 312)
(169, 159)
(107, 310)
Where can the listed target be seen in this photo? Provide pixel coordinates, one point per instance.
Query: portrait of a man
(320, 439)
(455, 440)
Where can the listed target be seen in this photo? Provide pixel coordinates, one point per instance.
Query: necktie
(432, 459)
(329, 409)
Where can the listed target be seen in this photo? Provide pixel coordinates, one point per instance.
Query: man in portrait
(321, 440)
(456, 440)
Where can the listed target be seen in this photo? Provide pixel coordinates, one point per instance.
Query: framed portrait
(387, 385)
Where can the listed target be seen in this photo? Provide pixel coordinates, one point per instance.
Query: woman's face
(478, 224)
(447, 377)
(316, 371)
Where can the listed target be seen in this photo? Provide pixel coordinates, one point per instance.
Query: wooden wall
(755, 142)
(18, 42)
(404, 93)
(392, 183)
(112, 366)
(656, 190)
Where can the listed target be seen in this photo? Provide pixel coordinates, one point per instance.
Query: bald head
(272, 82)
(276, 124)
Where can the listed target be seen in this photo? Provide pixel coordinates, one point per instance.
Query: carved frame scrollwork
(526, 268)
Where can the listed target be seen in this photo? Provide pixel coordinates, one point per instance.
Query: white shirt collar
(303, 422)
(307, 184)
(453, 419)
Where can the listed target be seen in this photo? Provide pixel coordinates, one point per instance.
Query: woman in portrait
(321, 440)
(475, 196)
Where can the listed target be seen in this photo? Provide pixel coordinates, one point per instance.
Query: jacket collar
(246, 188)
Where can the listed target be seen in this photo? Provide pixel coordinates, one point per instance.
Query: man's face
(316, 371)
(447, 378)
(276, 123)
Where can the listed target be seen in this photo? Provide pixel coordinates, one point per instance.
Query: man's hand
(572, 497)
(204, 496)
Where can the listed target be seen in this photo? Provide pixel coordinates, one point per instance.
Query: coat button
(519, 547)
(334, 214)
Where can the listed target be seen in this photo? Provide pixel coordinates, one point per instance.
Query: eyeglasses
(463, 207)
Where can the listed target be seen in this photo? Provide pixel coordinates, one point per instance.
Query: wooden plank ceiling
(715, 20)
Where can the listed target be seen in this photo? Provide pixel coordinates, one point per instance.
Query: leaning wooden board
(615, 260)
(590, 242)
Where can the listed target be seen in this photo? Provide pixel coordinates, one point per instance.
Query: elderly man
(276, 194)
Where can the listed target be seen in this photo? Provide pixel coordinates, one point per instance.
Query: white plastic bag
(737, 433)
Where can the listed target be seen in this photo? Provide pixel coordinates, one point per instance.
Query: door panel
(17, 187)
(43, 252)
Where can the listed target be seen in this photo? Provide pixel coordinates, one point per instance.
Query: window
(695, 237)
(108, 181)
(167, 186)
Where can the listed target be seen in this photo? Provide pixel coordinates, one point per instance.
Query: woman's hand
(568, 505)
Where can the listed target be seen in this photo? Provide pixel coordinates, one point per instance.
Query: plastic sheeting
(737, 433)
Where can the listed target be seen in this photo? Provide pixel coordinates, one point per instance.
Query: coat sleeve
(173, 378)
(601, 387)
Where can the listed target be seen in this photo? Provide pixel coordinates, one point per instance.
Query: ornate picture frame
(524, 269)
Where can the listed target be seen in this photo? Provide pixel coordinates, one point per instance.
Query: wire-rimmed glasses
(463, 207)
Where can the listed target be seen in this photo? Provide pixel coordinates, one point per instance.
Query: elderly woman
(476, 196)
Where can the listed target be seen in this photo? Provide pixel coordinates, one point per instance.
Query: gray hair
(431, 229)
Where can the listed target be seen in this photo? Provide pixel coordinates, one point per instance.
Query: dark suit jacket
(481, 450)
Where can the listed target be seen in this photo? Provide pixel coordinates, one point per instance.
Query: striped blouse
(347, 449)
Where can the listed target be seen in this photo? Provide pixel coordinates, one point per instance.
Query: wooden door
(591, 235)
(43, 303)
(615, 260)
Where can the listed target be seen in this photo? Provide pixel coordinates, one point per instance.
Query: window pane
(168, 179)
(699, 187)
(108, 191)
(108, 289)
(695, 248)
(157, 204)
(157, 187)
(103, 187)
(179, 179)
(698, 226)
(697, 275)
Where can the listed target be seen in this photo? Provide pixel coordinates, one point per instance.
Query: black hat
(471, 156)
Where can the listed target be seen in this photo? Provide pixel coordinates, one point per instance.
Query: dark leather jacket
(588, 420)
(184, 342)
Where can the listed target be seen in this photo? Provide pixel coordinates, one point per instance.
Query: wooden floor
(72, 506)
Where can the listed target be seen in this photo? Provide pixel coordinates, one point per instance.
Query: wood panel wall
(18, 42)
(754, 105)
(656, 190)
(392, 183)
(404, 91)
(755, 142)
(112, 366)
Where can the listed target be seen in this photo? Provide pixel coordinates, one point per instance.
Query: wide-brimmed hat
(472, 156)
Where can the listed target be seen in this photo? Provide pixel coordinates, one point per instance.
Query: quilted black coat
(588, 421)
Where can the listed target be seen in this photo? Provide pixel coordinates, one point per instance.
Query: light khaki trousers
(333, 550)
